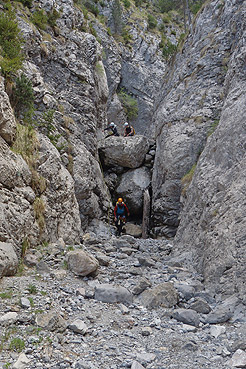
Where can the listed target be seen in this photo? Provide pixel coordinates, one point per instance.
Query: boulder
(109, 293)
(162, 295)
(81, 263)
(133, 230)
(131, 188)
(187, 316)
(8, 259)
(51, 321)
(128, 152)
(22, 362)
(78, 326)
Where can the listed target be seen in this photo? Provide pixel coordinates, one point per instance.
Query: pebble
(68, 326)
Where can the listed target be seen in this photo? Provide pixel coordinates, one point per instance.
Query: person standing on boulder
(128, 130)
(112, 127)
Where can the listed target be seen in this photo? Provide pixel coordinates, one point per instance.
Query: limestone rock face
(213, 224)
(62, 218)
(128, 152)
(19, 221)
(139, 70)
(69, 79)
(190, 107)
(8, 259)
(7, 120)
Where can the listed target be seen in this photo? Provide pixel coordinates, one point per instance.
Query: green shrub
(10, 44)
(186, 180)
(27, 3)
(117, 17)
(126, 35)
(39, 210)
(152, 22)
(195, 7)
(166, 5)
(92, 8)
(127, 3)
(32, 289)
(129, 104)
(168, 50)
(17, 344)
(22, 97)
(138, 2)
(6, 295)
(40, 19)
(213, 127)
(52, 17)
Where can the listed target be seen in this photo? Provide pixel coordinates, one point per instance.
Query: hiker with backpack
(113, 130)
(128, 130)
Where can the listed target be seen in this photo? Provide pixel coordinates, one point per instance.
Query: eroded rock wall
(213, 221)
(19, 221)
(190, 106)
(68, 76)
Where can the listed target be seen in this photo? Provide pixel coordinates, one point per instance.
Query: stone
(200, 306)
(78, 326)
(164, 295)
(185, 290)
(187, 316)
(141, 286)
(217, 330)
(22, 362)
(51, 321)
(9, 318)
(146, 357)
(25, 303)
(7, 118)
(103, 259)
(8, 259)
(220, 314)
(238, 359)
(81, 263)
(126, 152)
(136, 365)
(131, 187)
(146, 331)
(133, 230)
(112, 293)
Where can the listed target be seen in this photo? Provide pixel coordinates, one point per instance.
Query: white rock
(78, 326)
(217, 330)
(22, 362)
(10, 317)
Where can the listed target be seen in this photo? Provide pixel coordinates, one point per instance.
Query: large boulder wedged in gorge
(128, 152)
(132, 186)
(8, 260)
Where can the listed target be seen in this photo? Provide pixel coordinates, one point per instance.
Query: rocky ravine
(141, 309)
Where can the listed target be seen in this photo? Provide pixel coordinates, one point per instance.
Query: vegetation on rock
(11, 56)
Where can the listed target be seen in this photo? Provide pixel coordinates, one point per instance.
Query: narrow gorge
(72, 294)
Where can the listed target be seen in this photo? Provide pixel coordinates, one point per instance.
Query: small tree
(152, 22)
(23, 97)
(10, 43)
(129, 104)
(117, 17)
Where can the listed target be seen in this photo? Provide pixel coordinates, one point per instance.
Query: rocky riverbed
(140, 308)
